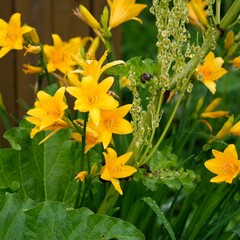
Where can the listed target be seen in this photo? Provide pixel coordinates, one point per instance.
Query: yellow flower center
(108, 123)
(116, 168)
(206, 72)
(230, 168)
(92, 98)
(58, 57)
(12, 35)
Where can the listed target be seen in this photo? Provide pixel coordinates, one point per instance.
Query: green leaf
(12, 215)
(43, 172)
(162, 170)
(137, 66)
(152, 204)
(55, 220)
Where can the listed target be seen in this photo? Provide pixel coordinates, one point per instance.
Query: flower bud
(224, 131)
(31, 69)
(88, 18)
(236, 62)
(81, 176)
(213, 105)
(93, 47)
(235, 130)
(32, 49)
(199, 104)
(34, 36)
(94, 170)
(229, 40)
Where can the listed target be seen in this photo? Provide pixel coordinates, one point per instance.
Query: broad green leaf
(55, 220)
(43, 172)
(12, 217)
(52, 220)
(152, 204)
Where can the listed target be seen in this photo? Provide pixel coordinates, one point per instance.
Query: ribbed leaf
(44, 172)
(12, 216)
(54, 220)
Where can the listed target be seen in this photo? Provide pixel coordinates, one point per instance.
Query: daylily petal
(106, 138)
(116, 185)
(122, 126)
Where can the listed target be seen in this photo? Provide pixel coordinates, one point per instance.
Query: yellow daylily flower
(59, 56)
(115, 168)
(81, 176)
(11, 34)
(113, 122)
(236, 62)
(225, 164)
(197, 13)
(124, 10)
(48, 113)
(93, 97)
(210, 71)
(92, 138)
(94, 68)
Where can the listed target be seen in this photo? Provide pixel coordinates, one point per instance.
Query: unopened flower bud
(236, 62)
(34, 36)
(93, 47)
(229, 40)
(81, 176)
(31, 69)
(199, 104)
(88, 18)
(213, 105)
(93, 170)
(224, 131)
(235, 129)
(32, 49)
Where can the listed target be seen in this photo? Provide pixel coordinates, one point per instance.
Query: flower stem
(218, 11)
(78, 197)
(108, 201)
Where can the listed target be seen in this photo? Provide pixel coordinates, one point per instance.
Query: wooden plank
(7, 74)
(65, 23)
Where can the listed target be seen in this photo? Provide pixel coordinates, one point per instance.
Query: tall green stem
(78, 198)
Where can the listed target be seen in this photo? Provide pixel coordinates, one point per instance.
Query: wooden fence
(47, 16)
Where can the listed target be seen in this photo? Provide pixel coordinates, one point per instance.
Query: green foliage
(136, 65)
(162, 170)
(42, 172)
(153, 205)
(55, 220)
